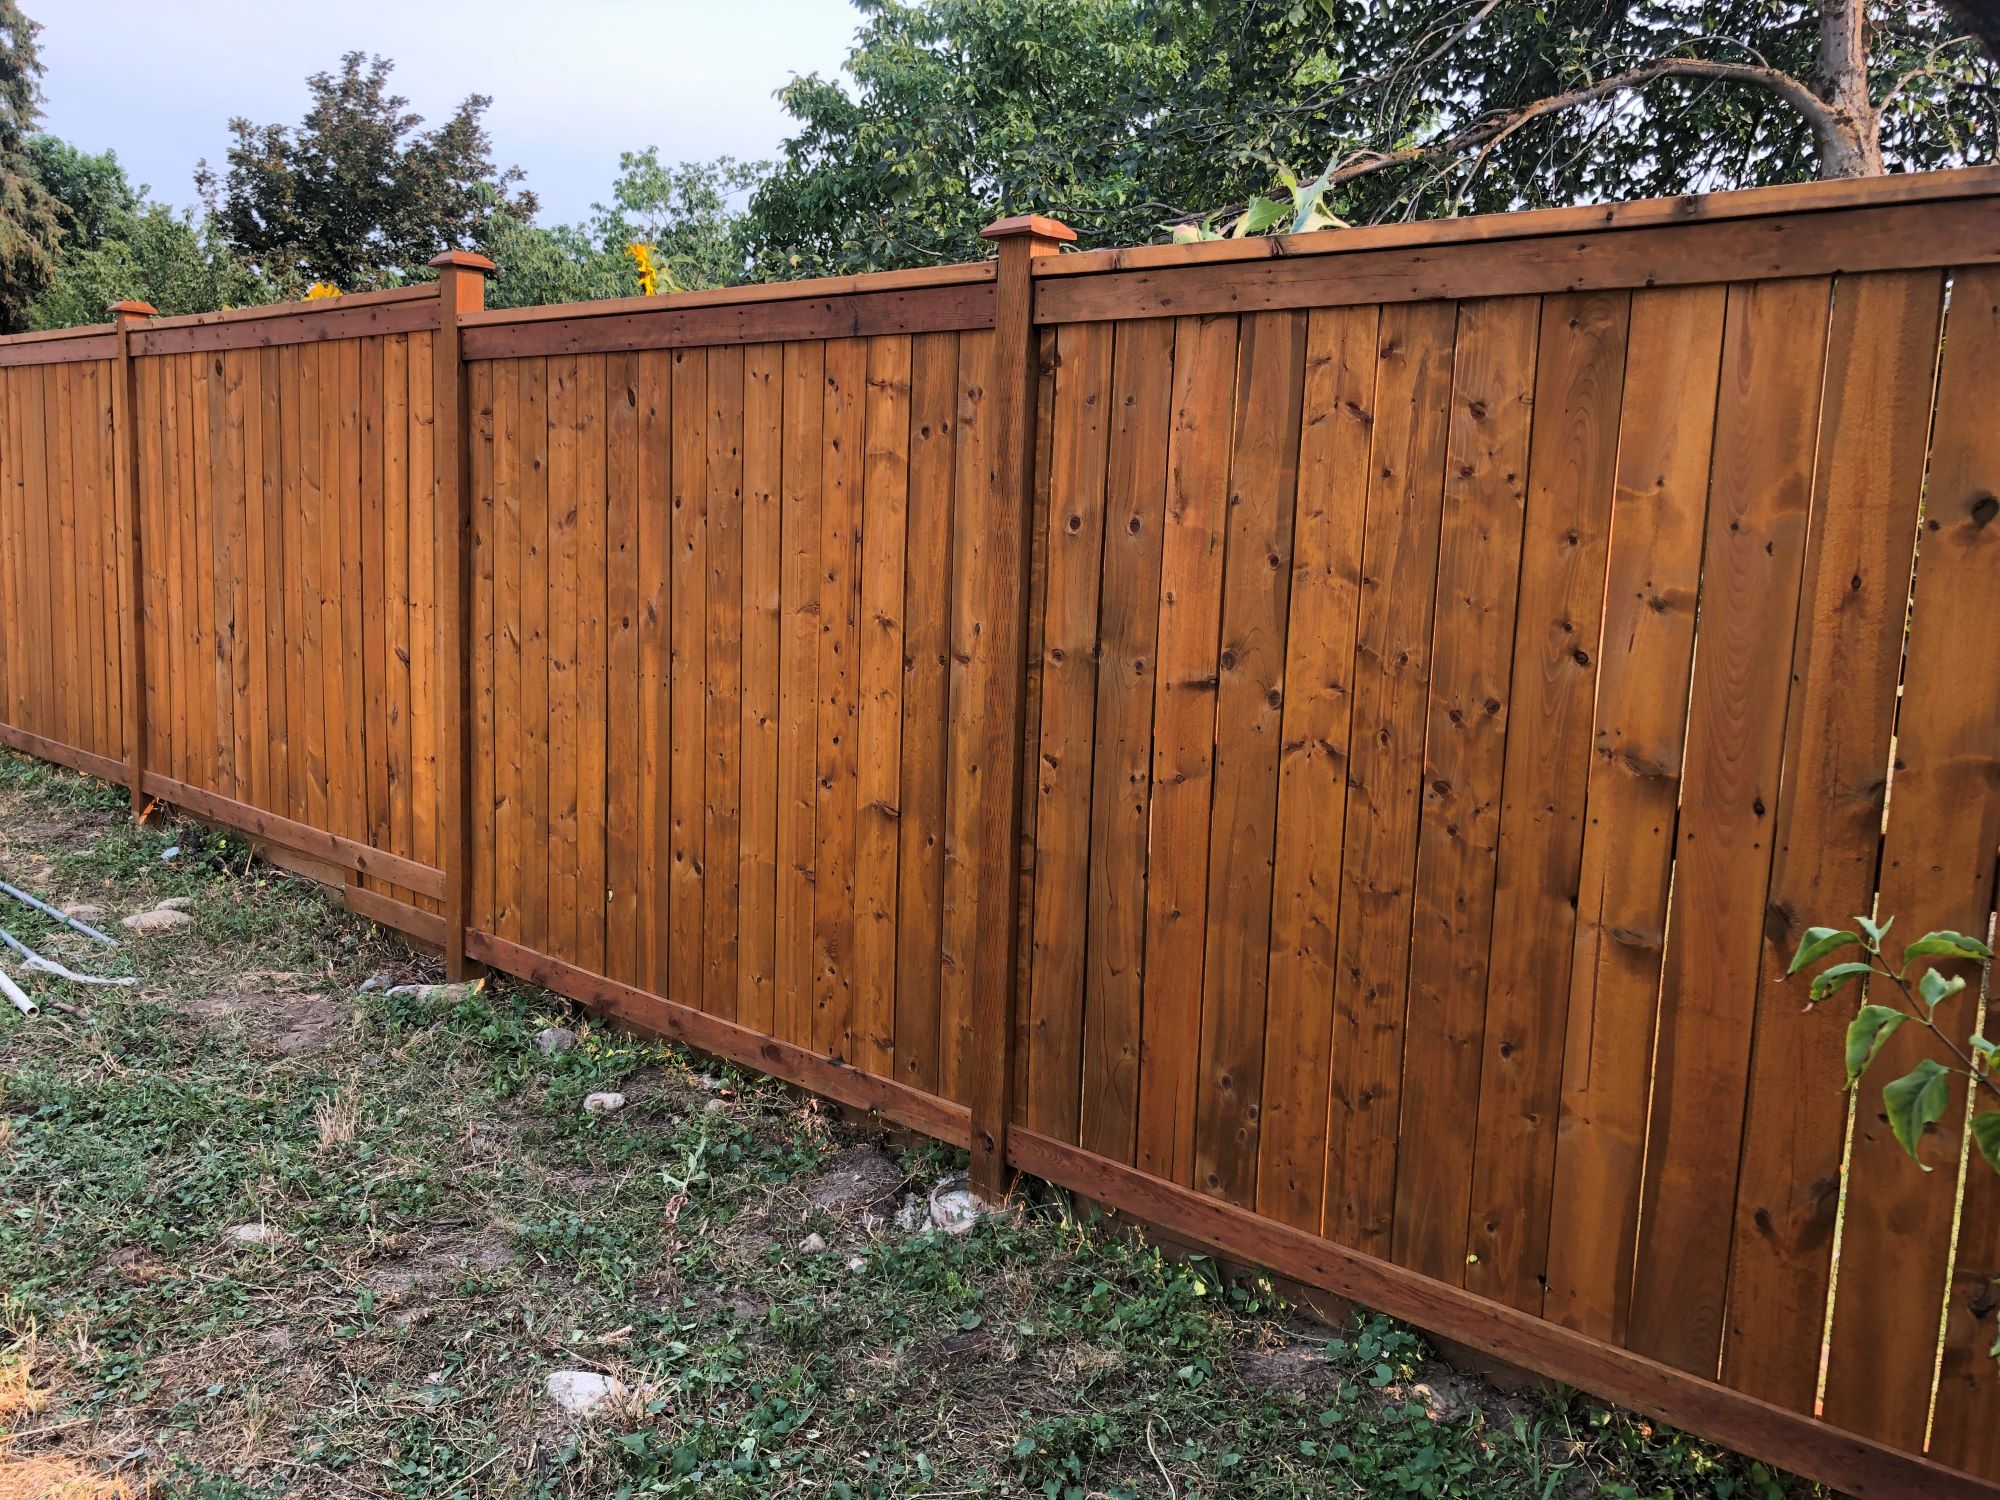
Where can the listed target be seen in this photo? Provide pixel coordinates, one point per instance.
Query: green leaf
(1817, 943)
(1946, 945)
(1917, 1099)
(1934, 987)
(1982, 1053)
(1828, 981)
(1986, 1136)
(1261, 214)
(1867, 1034)
(1872, 933)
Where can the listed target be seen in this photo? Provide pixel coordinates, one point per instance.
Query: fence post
(461, 290)
(125, 316)
(1001, 605)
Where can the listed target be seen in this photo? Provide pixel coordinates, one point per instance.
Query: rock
(175, 903)
(553, 1039)
(715, 1107)
(581, 1392)
(250, 1234)
(955, 1208)
(709, 1082)
(84, 911)
(603, 1103)
(857, 1263)
(812, 1244)
(912, 1215)
(156, 920)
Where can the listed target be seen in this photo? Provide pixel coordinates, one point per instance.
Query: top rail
(1641, 213)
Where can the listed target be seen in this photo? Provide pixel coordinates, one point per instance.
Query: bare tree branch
(1485, 134)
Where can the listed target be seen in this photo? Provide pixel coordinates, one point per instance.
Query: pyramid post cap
(463, 260)
(1036, 225)
(132, 307)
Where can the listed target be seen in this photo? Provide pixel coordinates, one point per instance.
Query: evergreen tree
(29, 227)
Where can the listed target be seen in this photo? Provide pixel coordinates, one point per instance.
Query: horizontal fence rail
(1327, 743)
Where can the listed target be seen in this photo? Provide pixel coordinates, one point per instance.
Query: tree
(1111, 115)
(1444, 106)
(684, 214)
(29, 228)
(357, 193)
(117, 243)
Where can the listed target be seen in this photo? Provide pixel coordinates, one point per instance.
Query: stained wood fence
(1326, 744)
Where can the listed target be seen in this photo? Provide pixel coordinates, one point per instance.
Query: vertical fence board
(1867, 490)
(804, 378)
(1249, 705)
(925, 694)
(1631, 800)
(1385, 765)
(1139, 404)
(688, 654)
(1074, 549)
(1761, 490)
(1937, 873)
(624, 792)
(839, 641)
(1572, 449)
(878, 721)
(1465, 741)
(762, 611)
(722, 678)
(1337, 427)
(1184, 740)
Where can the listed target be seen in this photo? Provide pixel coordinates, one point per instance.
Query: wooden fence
(1326, 744)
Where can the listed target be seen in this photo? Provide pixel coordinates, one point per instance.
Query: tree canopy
(1128, 119)
(358, 193)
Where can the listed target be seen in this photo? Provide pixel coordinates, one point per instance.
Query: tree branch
(1486, 134)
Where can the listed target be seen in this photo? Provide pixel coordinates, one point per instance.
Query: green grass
(452, 1227)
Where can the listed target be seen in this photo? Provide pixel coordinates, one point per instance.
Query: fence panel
(61, 589)
(1444, 669)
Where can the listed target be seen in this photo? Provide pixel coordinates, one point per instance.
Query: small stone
(554, 1039)
(715, 1107)
(709, 1081)
(175, 903)
(84, 911)
(812, 1244)
(250, 1234)
(603, 1103)
(582, 1392)
(156, 921)
(857, 1263)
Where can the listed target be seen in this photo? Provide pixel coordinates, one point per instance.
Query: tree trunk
(1848, 134)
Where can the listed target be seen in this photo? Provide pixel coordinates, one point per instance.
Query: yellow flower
(649, 274)
(320, 290)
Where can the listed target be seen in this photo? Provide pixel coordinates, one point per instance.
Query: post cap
(1029, 224)
(463, 260)
(132, 307)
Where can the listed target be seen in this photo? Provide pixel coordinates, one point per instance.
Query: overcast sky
(574, 82)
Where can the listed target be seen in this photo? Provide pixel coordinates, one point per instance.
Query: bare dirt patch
(273, 1017)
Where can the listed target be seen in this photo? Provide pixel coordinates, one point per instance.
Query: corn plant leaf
(1817, 943)
(1918, 1099)
(1867, 1034)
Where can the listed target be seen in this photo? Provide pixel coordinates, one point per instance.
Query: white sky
(574, 82)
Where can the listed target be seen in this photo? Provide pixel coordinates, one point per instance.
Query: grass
(447, 1227)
